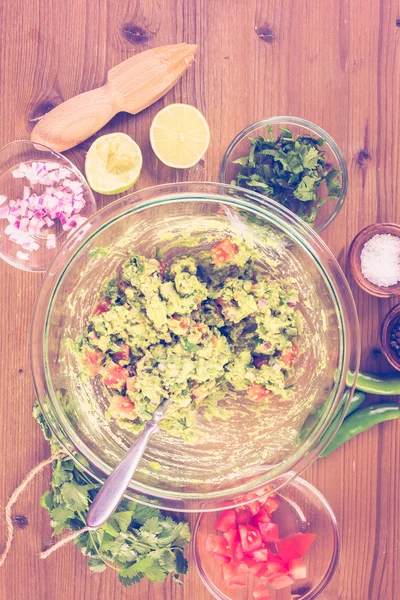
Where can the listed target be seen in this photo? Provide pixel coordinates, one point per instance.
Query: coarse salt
(380, 260)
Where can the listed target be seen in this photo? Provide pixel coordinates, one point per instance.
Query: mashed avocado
(192, 330)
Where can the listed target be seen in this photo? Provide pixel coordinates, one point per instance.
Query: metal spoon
(109, 496)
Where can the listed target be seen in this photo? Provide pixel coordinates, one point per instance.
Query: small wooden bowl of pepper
(390, 337)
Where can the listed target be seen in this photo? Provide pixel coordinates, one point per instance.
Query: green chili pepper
(361, 420)
(373, 384)
(356, 401)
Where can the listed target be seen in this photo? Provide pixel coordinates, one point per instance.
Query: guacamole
(193, 330)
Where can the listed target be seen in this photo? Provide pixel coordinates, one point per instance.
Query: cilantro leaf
(167, 560)
(46, 501)
(141, 513)
(306, 189)
(152, 525)
(75, 497)
(96, 564)
(310, 158)
(120, 521)
(333, 182)
(181, 562)
(127, 581)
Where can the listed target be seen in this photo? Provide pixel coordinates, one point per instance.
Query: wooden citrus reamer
(131, 86)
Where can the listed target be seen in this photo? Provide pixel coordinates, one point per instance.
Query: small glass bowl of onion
(43, 198)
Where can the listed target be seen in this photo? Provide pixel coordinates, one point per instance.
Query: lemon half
(113, 163)
(179, 135)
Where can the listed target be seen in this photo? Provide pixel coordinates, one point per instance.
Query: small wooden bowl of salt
(374, 259)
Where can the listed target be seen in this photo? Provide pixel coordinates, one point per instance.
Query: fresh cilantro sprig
(292, 171)
(137, 541)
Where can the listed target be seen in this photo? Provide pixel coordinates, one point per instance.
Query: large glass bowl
(248, 450)
(302, 509)
(240, 145)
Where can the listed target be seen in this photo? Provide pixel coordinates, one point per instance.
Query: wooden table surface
(335, 63)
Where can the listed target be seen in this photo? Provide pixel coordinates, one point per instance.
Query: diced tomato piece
(269, 532)
(250, 538)
(101, 307)
(259, 570)
(276, 565)
(93, 360)
(280, 581)
(131, 385)
(221, 557)
(223, 251)
(261, 555)
(115, 376)
(257, 393)
(297, 569)
(218, 545)
(122, 407)
(237, 551)
(234, 545)
(226, 521)
(232, 536)
(262, 516)
(229, 570)
(294, 546)
(261, 592)
(237, 581)
(271, 503)
(249, 562)
(243, 515)
(288, 355)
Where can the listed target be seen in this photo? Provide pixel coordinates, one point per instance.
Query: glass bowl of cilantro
(292, 161)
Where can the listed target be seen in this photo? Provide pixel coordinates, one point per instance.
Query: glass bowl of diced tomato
(250, 443)
(276, 547)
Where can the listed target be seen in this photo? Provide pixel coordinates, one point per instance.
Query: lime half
(113, 163)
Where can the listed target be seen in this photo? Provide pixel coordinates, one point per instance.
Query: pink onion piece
(22, 255)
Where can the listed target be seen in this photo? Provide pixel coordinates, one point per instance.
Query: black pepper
(395, 338)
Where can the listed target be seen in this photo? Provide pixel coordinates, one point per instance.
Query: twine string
(13, 499)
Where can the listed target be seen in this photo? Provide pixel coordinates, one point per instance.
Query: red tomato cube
(237, 581)
(250, 538)
(294, 546)
(226, 521)
(269, 532)
(280, 580)
(261, 555)
(297, 569)
(261, 593)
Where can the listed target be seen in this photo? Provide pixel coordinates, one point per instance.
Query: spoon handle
(110, 494)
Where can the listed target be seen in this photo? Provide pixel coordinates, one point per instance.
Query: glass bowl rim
(302, 123)
(315, 493)
(73, 168)
(127, 205)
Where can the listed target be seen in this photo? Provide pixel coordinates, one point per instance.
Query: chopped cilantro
(290, 170)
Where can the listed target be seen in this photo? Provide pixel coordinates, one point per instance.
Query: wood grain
(334, 63)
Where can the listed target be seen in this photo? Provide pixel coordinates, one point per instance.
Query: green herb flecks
(291, 171)
(137, 541)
